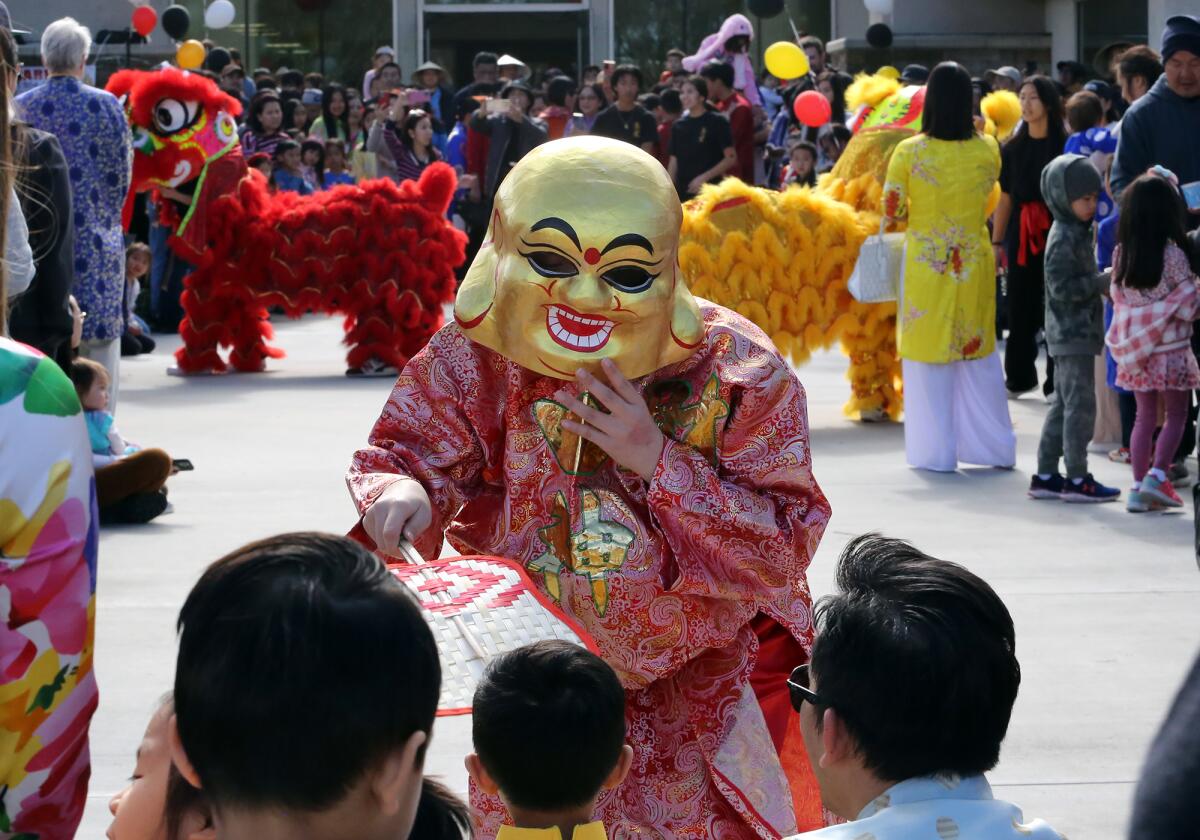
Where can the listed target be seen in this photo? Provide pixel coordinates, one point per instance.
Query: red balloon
(812, 109)
(144, 20)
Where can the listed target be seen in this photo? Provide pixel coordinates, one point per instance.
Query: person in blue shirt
(288, 173)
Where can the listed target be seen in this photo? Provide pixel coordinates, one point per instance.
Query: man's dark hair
(484, 57)
(1084, 111)
(676, 51)
(918, 657)
(558, 89)
(386, 65)
(718, 71)
(314, 80)
(1141, 61)
(949, 110)
(549, 725)
(291, 78)
(591, 68)
(302, 664)
(623, 70)
(670, 101)
(812, 41)
(263, 83)
(650, 101)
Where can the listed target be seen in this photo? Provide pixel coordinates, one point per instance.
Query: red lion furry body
(380, 253)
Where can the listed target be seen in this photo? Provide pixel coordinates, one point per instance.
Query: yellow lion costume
(783, 259)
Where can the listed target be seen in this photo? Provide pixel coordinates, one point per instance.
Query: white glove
(402, 511)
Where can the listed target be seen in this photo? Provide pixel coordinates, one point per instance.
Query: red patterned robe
(676, 580)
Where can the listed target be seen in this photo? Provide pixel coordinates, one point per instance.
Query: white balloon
(879, 7)
(219, 14)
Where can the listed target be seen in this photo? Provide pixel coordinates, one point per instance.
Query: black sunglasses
(798, 688)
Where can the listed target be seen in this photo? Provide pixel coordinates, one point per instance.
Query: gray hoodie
(1074, 306)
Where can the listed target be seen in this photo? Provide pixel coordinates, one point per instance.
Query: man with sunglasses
(906, 699)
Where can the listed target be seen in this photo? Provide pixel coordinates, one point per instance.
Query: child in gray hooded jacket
(1074, 332)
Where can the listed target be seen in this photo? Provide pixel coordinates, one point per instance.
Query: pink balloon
(812, 109)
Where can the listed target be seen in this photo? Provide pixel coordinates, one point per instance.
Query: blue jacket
(1160, 128)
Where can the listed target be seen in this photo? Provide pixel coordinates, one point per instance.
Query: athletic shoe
(1088, 490)
(1016, 395)
(1049, 488)
(1135, 502)
(1161, 491)
(1119, 456)
(374, 367)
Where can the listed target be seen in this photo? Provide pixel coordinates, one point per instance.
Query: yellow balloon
(786, 60)
(888, 72)
(190, 55)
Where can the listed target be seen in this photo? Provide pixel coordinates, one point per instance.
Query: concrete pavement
(1105, 603)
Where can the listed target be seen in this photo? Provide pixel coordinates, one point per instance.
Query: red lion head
(180, 122)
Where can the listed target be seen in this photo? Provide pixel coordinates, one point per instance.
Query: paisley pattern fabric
(945, 807)
(48, 540)
(94, 135)
(666, 577)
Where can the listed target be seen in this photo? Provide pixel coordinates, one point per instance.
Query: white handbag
(879, 268)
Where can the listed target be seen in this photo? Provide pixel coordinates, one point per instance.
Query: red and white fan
(479, 608)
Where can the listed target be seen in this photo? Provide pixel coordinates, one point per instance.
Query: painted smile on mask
(580, 331)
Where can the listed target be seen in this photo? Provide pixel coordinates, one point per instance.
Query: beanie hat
(1182, 33)
(1080, 179)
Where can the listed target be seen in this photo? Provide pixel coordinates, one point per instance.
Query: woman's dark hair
(1142, 61)
(558, 89)
(555, 706)
(700, 84)
(948, 112)
(257, 104)
(931, 637)
(597, 89)
(331, 122)
(303, 663)
(440, 814)
(1056, 118)
(290, 104)
(838, 82)
(411, 121)
(1084, 111)
(1152, 216)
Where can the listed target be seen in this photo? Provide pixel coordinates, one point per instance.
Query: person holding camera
(512, 131)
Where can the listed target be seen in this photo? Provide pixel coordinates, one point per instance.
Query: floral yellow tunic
(947, 307)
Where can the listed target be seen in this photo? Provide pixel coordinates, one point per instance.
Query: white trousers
(107, 353)
(957, 412)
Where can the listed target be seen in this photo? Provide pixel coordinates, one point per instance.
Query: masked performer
(645, 455)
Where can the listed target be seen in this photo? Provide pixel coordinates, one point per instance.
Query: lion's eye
(628, 278)
(172, 115)
(550, 264)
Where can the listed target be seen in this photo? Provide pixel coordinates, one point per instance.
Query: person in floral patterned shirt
(675, 524)
(943, 181)
(95, 139)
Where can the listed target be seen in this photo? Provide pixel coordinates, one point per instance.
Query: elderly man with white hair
(91, 127)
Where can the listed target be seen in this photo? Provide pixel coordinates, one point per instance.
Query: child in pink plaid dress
(1156, 297)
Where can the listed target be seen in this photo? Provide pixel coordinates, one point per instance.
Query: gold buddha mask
(580, 264)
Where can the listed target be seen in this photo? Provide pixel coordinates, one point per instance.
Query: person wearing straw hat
(645, 456)
(430, 77)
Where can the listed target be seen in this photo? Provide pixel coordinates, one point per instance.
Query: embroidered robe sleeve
(747, 528)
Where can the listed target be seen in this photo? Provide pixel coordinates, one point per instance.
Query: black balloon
(879, 35)
(764, 8)
(175, 21)
(217, 59)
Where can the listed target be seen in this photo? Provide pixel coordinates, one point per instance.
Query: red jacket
(741, 122)
(664, 141)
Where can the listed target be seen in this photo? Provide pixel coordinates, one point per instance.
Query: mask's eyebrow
(629, 239)
(560, 225)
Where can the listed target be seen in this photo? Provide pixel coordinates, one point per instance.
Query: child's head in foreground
(305, 691)
(549, 731)
(91, 381)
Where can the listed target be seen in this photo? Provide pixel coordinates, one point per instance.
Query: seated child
(130, 482)
(262, 162)
(802, 165)
(288, 172)
(335, 164)
(158, 804)
(549, 732)
(305, 691)
(135, 339)
(312, 159)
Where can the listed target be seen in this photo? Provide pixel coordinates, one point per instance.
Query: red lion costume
(380, 253)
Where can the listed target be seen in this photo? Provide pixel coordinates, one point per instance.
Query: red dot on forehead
(592, 256)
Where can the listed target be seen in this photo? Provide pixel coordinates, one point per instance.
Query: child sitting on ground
(135, 339)
(288, 172)
(130, 482)
(802, 165)
(1156, 299)
(305, 691)
(549, 731)
(262, 162)
(157, 804)
(335, 165)
(312, 160)
(1074, 333)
